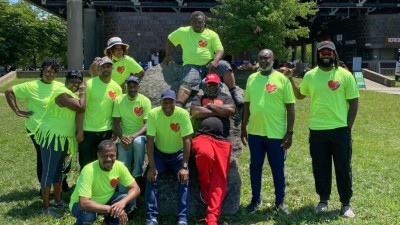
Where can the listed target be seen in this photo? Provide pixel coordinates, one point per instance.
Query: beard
(265, 68)
(325, 63)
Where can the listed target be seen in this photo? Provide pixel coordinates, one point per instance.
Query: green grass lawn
(375, 173)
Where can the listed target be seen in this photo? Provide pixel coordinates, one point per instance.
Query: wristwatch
(185, 165)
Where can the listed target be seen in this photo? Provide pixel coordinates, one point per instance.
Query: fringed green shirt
(58, 123)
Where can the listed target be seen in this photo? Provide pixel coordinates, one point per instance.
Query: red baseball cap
(212, 77)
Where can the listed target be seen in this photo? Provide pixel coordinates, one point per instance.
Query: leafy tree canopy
(28, 35)
(257, 24)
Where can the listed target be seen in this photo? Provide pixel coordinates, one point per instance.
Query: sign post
(357, 72)
(359, 80)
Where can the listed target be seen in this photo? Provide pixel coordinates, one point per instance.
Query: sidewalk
(373, 86)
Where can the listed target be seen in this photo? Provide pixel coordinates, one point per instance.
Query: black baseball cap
(326, 44)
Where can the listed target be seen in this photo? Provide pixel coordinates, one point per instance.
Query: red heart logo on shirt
(138, 111)
(205, 101)
(114, 182)
(175, 127)
(202, 43)
(121, 69)
(270, 88)
(333, 85)
(112, 94)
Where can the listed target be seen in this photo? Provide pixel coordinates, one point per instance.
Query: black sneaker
(65, 186)
(61, 205)
(202, 199)
(251, 208)
(237, 98)
(50, 211)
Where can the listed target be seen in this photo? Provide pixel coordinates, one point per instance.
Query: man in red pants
(211, 146)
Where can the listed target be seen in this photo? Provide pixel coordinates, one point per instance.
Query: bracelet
(82, 92)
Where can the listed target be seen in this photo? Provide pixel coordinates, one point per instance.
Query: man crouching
(95, 189)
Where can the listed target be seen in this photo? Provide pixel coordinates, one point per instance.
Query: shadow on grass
(16, 196)
(304, 215)
(28, 204)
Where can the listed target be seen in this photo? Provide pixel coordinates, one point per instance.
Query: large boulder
(160, 78)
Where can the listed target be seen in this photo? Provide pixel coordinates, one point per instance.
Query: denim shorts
(193, 74)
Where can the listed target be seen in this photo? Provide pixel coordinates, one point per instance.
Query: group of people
(109, 109)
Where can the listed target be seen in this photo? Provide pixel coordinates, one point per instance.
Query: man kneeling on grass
(95, 189)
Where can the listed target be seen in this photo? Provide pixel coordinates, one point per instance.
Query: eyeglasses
(326, 54)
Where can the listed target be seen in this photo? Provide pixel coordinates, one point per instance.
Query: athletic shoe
(238, 115)
(61, 205)
(347, 211)
(202, 199)
(237, 98)
(321, 207)
(50, 211)
(65, 186)
(251, 208)
(282, 208)
(151, 222)
(182, 222)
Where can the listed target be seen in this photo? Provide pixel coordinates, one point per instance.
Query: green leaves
(28, 35)
(257, 24)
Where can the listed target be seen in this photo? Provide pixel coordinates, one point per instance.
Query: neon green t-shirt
(198, 48)
(99, 185)
(329, 92)
(57, 117)
(267, 96)
(132, 112)
(169, 130)
(100, 98)
(37, 95)
(123, 68)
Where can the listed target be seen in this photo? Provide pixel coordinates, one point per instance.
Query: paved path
(373, 86)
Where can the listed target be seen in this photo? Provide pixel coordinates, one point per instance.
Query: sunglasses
(212, 84)
(326, 54)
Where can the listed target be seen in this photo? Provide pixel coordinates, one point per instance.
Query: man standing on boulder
(168, 148)
(211, 146)
(333, 109)
(202, 54)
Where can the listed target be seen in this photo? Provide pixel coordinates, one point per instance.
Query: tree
(257, 24)
(28, 35)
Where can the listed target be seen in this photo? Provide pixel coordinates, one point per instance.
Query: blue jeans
(86, 217)
(136, 151)
(259, 146)
(163, 163)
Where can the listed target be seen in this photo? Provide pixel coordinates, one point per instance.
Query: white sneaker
(347, 212)
(321, 207)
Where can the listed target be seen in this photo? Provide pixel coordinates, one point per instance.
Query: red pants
(212, 160)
